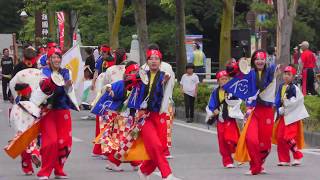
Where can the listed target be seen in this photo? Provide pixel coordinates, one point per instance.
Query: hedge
(312, 104)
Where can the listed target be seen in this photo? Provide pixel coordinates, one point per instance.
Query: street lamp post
(23, 17)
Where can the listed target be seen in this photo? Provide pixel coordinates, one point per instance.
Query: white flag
(72, 60)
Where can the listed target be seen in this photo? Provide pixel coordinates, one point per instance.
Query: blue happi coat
(290, 92)
(214, 103)
(245, 86)
(266, 79)
(140, 93)
(59, 99)
(107, 102)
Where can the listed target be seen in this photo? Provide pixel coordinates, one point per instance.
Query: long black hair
(119, 55)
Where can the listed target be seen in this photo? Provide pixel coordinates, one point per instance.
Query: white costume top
(20, 119)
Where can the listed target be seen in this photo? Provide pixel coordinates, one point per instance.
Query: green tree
(225, 33)
(140, 14)
(307, 24)
(181, 56)
(286, 11)
(114, 41)
(10, 16)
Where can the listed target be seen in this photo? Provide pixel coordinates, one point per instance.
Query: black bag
(212, 120)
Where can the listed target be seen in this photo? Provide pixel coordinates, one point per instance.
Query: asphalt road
(195, 151)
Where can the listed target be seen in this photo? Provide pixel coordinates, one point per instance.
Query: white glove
(209, 114)
(281, 111)
(252, 98)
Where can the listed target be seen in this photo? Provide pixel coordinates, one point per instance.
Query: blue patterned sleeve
(212, 104)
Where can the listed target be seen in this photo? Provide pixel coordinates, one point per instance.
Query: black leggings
(5, 88)
(310, 82)
(189, 105)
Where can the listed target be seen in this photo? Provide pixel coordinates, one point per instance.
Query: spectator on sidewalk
(271, 57)
(308, 60)
(198, 58)
(90, 61)
(295, 56)
(7, 68)
(318, 62)
(189, 85)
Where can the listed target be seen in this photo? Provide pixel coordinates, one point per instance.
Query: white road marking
(196, 128)
(306, 151)
(312, 151)
(75, 139)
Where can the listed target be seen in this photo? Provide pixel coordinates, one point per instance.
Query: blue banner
(104, 103)
(243, 86)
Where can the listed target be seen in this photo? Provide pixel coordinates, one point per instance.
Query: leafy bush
(312, 104)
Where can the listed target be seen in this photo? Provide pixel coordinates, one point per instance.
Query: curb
(312, 139)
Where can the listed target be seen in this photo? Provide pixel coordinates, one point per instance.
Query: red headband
(41, 50)
(132, 67)
(220, 74)
(290, 69)
(261, 55)
(51, 44)
(25, 92)
(154, 52)
(54, 51)
(105, 49)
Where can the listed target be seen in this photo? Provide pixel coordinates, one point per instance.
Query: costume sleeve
(43, 60)
(98, 64)
(66, 73)
(118, 90)
(278, 99)
(298, 98)
(271, 70)
(212, 104)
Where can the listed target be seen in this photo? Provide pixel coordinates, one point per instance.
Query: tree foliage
(202, 17)
(10, 16)
(307, 24)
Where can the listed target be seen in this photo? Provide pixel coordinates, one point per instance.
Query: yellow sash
(137, 152)
(22, 141)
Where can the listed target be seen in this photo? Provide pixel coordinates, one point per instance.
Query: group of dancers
(261, 126)
(133, 111)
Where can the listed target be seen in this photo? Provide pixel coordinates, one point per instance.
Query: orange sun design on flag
(73, 66)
